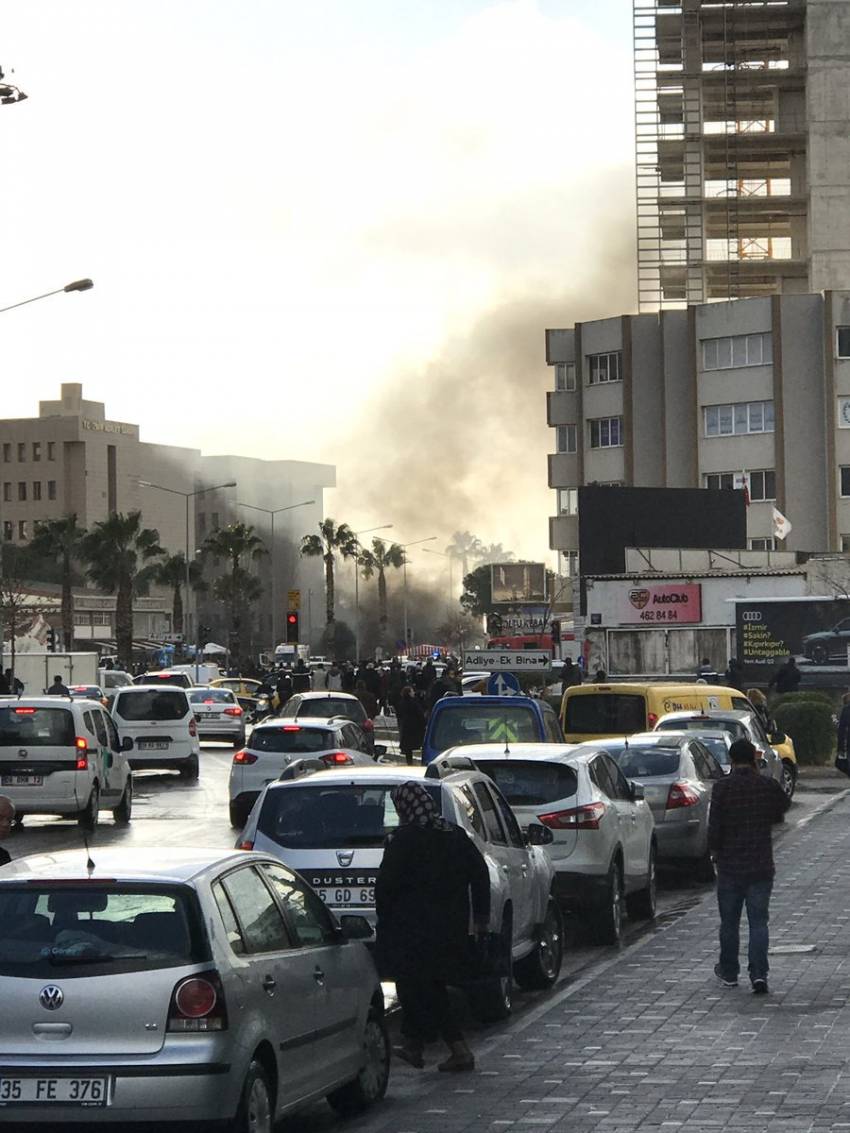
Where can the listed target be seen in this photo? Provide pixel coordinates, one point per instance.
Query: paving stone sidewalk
(653, 1042)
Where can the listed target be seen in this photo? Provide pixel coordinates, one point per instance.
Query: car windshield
(639, 760)
(718, 748)
(22, 726)
(212, 696)
(116, 680)
(734, 727)
(49, 930)
(88, 691)
(526, 782)
(325, 817)
(467, 723)
(179, 679)
(291, 738)
(153, 704)
(605, 714)
(323, 707)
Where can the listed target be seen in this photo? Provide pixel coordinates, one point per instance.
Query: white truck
(37, 670)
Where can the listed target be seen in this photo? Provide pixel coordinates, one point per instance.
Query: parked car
(828, 644)
(165, 677)
(65, 757)
(161, 724)
(88, 692)
(603, 847)
(592, 712)
(201, 985)
(218, 715)
(331, 827)
(459, 720)
(327, 704)
(274, 744)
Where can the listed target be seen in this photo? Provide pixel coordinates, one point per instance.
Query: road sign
(294, 599)
(502, 684)
(507, 660)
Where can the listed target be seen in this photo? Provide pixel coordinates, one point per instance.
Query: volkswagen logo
(345, 857)
(51, 997)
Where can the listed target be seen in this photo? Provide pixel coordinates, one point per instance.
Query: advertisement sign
(515, 620)
(660, 605)
(816, 631)
(511, 583)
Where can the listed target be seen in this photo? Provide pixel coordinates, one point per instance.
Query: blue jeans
(732, 896)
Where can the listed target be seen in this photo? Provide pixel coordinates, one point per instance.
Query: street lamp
(443, 555)
(77, 285)
(404, 546)
(357, 534)
(273, 512)
(188, 496)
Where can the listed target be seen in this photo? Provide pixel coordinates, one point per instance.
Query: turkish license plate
(152, 745)
(21, 780)
(209, 716)
(54, 1091)
(356, 896)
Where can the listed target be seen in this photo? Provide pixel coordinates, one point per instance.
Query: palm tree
(59, 540)
(464, 546)
(171, 572)
(238, 589)
(327, 543)
(375, 562)
(118, 551)
(494, 553)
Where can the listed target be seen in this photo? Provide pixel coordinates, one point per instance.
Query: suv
(63, 756)
(331, 827)
(274, 745)
(327, 704)
(162, 725)
(459, 720)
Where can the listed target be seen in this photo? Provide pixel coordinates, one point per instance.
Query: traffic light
(292, 628)
(51, 640)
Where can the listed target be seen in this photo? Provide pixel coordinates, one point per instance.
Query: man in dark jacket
(745, 806)
(787, 677)
(58, 688)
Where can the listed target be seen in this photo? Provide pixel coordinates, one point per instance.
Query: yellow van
(592, 712)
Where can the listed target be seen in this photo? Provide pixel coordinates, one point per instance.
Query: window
(568, 501)
(51, 489)
(568, 563)
(845, 542)
(8, 530)
(842, 343)
(495, 833)
(36, 489)
(606, 432)
(741, 418)
(306, 913)
(7, 453)
(565, 375)
(737, 350)
(718, 480)
(7, 492)
(762, 484)
(605, 367)
(36, 450)
(845, 480)
(22, 489)
(466, 801)
(262, 926)
(214, 520)
(567, 438)
(22, 451)
(51, 450)
(22, 530)
(768, 544)
(228, 917)
(202, 523)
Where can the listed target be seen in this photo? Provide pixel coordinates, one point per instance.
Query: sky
(331, 231)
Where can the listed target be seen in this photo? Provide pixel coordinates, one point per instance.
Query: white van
(160, 721)
(63, 756)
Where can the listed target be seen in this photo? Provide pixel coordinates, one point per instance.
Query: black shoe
(760, 987)
(727, 981)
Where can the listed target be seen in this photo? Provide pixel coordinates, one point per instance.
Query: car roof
(327, 694)
(275, 723)
(43, 701)
(543, 753)
(141, 864)
(500, 701)
(356, 776)
(207, 688)
(708, 713)
(124, 690)
(663, 738)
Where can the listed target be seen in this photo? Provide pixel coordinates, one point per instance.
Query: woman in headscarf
(431, 871)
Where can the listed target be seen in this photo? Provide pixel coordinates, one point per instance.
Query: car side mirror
(638, 792)
(379, 749)
(354, 927)
(778, 737)
(539, 835)
(126, 743)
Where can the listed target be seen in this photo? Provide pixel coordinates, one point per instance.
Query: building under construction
(743, 148)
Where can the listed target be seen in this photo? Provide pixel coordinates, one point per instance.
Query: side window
(112, 732)
(87, 720)
(358, 739)
(713, 769)
(306, 912)
(100, 729)
(551, 728)
(228, 917)
(515, 837)
(256, 911)
(493, 826)
(600, 775)
(466, 801)
(618, 780)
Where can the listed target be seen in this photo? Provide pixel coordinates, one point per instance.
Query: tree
(375, 562)
(59, 540)
(19, 607)
(171, 572)
(118, 552)
(495, 553)
(464, 546)
(238, 589)
(332, 539)
(477, 596)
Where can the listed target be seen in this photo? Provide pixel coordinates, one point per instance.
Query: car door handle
(318, 975)
(524, 869)
(269, 984)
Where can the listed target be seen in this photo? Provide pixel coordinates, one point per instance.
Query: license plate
(209, 716)
(356, 896)
(21, 780)
(152, 745)
(54, 1091)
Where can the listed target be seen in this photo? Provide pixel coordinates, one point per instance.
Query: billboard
(516, 620)
(660, 605)
(814, 630)
(515, 583)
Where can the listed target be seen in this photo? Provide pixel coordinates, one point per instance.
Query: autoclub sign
(661, 605)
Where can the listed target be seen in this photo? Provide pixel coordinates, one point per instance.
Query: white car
(604, 845)
(331, 827)
(160, 721)
(218, 715)
(63, 756)
(739, 725)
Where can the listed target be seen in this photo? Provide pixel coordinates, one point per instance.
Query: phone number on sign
(659, 615)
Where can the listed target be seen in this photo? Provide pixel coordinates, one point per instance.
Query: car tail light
(233, 711)
(246, 757)
(291, 728)
(82, 747)
(679, 795)
(246, 845)
(577, 818)
(193, 727)
(335, 758)
(652, 719)
(197, 1004)
(24, 711)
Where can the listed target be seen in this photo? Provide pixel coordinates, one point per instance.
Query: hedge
(805, 695)
(811, 726)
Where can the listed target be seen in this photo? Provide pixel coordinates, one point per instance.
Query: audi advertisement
(814, 630)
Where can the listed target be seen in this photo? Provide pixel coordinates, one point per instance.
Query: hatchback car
(218, 714)
(327, 704)
(161, 723)
(331, 826)
(199, 985)
(274, 744)
(739, 725)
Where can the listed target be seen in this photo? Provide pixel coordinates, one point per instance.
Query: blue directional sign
(502, 684)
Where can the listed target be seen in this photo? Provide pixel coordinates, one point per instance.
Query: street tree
(19, 606)
(331, 541)
(375, 562)
(59, 541)
(465, 547)
(238, 589)
(171, 572)
(495, 553)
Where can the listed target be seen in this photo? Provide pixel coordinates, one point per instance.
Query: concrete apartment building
(742, 148)
(695, 398)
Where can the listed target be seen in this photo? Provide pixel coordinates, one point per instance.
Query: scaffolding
(720, 149)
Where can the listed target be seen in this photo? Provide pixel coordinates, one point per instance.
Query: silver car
(184, 985)
(218, 714)
(739, 725)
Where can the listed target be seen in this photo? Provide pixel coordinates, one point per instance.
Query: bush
(811, 726)
(808, 695)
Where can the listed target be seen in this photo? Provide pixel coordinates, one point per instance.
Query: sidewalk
(652, 1042)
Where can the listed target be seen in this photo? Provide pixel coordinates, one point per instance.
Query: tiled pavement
(650, 1041)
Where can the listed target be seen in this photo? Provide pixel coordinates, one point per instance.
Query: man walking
(744, 807)
(58, 688)
(7, 817)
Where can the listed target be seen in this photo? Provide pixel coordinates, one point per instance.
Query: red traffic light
(292, 619)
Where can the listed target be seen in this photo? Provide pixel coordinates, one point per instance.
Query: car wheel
(370, 1085)
(789, 778)
(88, 816)
(608, 921)
(189, 770)
(491, 999)
(256, 1109)
(541, 968)
(820, 654)
(641, 905)
(124, 811)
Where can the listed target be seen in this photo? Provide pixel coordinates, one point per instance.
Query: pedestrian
(7, 817)
(842, 761)
(705, 669)
(745, 806)
(301, 677)
(599, 677)
(348, 677)
(16, 687)
(411, 723)
(429, 873)
(5, 687)
(570, 674)
(734, 675)
(442, 686)
(786, 678)
(366, 698)
(333, 678)
(759, 702)
(58, 688)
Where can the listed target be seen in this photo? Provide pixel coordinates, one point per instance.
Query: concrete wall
(680, 409)
(646, 395)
